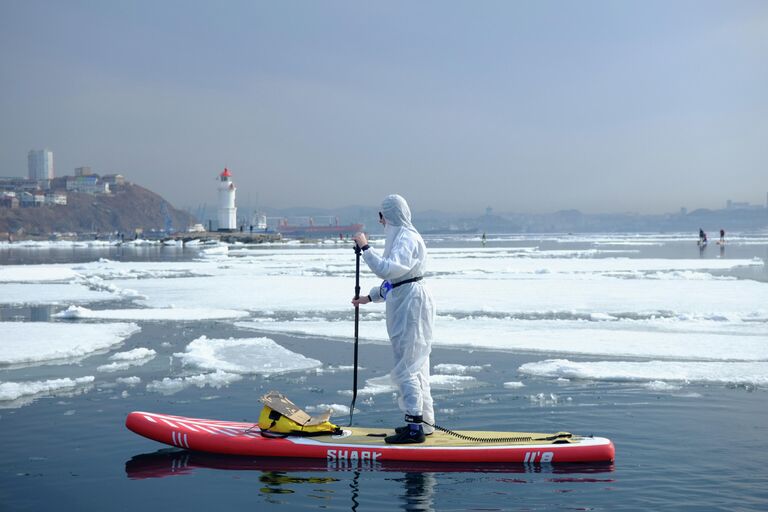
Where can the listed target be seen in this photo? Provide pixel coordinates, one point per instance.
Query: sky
(523, 106)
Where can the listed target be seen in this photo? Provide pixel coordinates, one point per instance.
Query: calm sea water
(696, 448)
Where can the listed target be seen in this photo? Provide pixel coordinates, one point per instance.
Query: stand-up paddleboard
(367, 444)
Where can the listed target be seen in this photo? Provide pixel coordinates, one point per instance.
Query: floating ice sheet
(50, 293)
(587, 301)
(54, 245)
(716, 339)
(171, 385)
(383, 384)
(684, 293)
(150, 314)
(244, 355)
(36, 273)
(14, 390)
(129, 381)
(128, 359)
(286, 293)
(755, 373)
(27, 343)
(458, 369)
(336, 409)
(133, 355)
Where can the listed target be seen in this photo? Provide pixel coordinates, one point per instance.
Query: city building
(9, 200)
(27, 199)
(87, 184)
(40, 164)
(83, 171)
(113, 179)
(56, 199)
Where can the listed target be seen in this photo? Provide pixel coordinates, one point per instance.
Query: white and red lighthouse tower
(227, 209)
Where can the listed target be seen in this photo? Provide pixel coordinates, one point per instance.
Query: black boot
(407, 435)
(400, 430)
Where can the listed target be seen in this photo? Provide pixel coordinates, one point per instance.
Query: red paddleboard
(366, 445)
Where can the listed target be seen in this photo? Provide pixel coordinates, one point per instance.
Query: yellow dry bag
(282, 417)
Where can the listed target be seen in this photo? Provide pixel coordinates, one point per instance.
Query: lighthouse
(227, 209)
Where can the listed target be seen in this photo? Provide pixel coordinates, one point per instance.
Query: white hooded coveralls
(410, 309)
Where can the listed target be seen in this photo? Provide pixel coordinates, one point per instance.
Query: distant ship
(315, 230)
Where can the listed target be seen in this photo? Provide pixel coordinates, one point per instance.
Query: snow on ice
(677, 319)
(125, 360)
(29, 343)
(172, 385)
(244, 355)
(14, 390)
(755, 373)
(150, 314)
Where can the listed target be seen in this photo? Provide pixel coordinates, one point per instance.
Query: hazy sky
(525, 106)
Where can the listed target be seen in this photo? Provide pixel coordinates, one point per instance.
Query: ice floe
(599, 300)
(133, 355)
(754, 373)
(336, 409)
(172, 385)
(36, 273)
(459, 369)
(150, 314)
(667, 338)
(14, 390)
(28, 343)
(244, 355)
(129, 381)
(128, 359)
(383, 384)
(50, 293)
(660, 385)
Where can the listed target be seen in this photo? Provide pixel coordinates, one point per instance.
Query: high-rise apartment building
(40, 164)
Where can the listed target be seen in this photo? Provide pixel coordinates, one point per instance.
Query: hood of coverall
(395, 210)
(398, 216)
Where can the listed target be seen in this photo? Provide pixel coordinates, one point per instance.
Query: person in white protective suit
(410, 314)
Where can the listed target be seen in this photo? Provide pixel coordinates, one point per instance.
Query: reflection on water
(173, 461)
(419, 491)
(277, 480)
(418, 481)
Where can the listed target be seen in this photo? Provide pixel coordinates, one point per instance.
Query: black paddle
(357, 319)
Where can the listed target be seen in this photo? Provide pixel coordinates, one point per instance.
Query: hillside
(129, 207)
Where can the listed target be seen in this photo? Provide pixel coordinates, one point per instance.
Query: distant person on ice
(410, 314)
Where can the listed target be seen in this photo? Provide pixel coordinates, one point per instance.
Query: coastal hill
(127, 208)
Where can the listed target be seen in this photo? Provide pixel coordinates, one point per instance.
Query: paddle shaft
(357, 324)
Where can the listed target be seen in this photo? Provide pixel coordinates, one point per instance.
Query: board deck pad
(359, 435)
